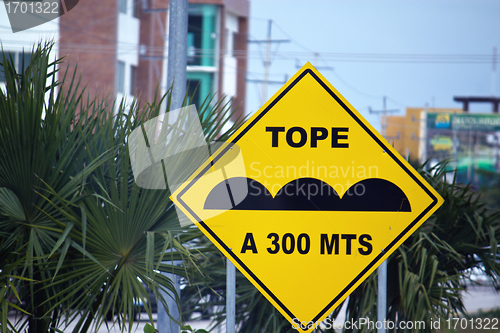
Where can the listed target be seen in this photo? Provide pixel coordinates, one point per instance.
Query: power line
(328, 67)
(339, 57)
(290, 37)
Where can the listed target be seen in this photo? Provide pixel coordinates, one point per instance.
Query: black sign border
(374, 137)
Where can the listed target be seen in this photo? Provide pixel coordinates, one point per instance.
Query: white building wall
(26, 40)
(230, 65)
(128, 48)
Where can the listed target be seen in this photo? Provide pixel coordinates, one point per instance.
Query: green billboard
(470, 141)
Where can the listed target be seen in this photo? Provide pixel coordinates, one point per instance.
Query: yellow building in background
(407, 133)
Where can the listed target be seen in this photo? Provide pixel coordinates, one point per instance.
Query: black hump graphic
(308, 194)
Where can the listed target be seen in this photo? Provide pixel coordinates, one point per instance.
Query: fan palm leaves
(84, 241)
(41, 141)
(131, 232)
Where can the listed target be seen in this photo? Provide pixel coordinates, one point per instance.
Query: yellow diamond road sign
(316, 202)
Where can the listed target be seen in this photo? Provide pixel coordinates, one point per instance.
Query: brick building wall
(88, 37)
(152, 40)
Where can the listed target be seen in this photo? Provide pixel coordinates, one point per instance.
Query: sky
(413, 51)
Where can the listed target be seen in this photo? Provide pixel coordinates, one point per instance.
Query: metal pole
(164, 323)
(230, 297)
(177, 50)
(382, 296)
(176, 75)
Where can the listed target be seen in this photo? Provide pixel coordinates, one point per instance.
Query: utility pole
(176, 76)
(494, 72)
(383, 116)
(423, 123)
(267, 60)
(177, 50)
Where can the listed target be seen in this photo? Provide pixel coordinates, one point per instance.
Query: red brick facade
(242, 62)
(88, 36)
(150, 70)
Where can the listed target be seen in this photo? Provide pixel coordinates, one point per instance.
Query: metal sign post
(176, 73)
(230, 297)
(382, 296)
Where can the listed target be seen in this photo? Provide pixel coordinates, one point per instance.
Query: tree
(41, 142)
(85, 240)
